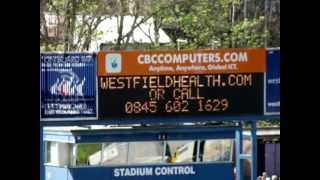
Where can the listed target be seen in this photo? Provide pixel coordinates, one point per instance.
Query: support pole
(254, 150)
(239, 164)
(42, 168)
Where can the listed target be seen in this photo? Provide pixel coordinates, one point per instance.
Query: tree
(228, 23)
(76, 19)
(137, 9)
(58, 9)
(203, 23)
(43, 25)
(49, 7)
(91, 14)
(247, 33)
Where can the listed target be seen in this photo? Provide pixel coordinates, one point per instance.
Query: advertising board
(225, 82)
(68, 86)
(272, 83)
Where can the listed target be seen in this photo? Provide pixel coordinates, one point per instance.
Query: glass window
(146, 152)
(246, 143)
(51, 153)
(48, 145)
(152, 152)
(114, 153)
(181, 151)
(217, 150)
(87, 152)
(58, 154)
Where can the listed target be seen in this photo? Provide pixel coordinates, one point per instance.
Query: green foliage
(200, 22)
(270, 123)
(204, 21)
(86, 150)
(51, 47)
(264, 123)
(248, 33)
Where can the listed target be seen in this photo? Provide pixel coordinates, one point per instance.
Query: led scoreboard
(226, 82)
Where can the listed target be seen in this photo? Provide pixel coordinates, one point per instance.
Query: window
(246, 146)
(85, 151)
(181, 151)
(51, 149)
(141, 152)
(217, 150)
(48, 145)
(146, 152)
(114, 153)
(58, 154)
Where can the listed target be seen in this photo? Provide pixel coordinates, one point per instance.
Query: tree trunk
(245, 9)
(130, 32)
(157, 25)
(66, 27)
(120, 25)
(232, 22)
(70, 21)
(72, 25)
(266, 22)
(92, 27)
(43, 24)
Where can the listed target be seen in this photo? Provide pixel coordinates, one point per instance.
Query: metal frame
(198, 150)
(239, 164)
(273, 48)
(157, 120)
(42, 155)
(254, 158)
(240, 156)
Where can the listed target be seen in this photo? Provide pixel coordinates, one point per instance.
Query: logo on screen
(113, 63)
(68, 84)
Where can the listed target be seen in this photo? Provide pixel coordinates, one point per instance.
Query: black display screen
(170, 95)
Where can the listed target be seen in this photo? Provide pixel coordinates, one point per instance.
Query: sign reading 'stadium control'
(203, 82)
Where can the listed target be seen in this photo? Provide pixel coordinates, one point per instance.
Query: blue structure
(200, 167)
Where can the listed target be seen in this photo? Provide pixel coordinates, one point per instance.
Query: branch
(127, 36)
(148, 35)
(44, 25)
(135, 26)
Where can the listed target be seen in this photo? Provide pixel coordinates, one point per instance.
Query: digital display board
(68, 86)
(226, 82)
(272, 83)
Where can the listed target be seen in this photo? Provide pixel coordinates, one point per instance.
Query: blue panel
(254, 163)
(273, 82)
(42, 154)
(56, 173)
(277, 171)
(58, 138)
(68, 85)
(239, 162)
(272, 159)
(216, 171)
